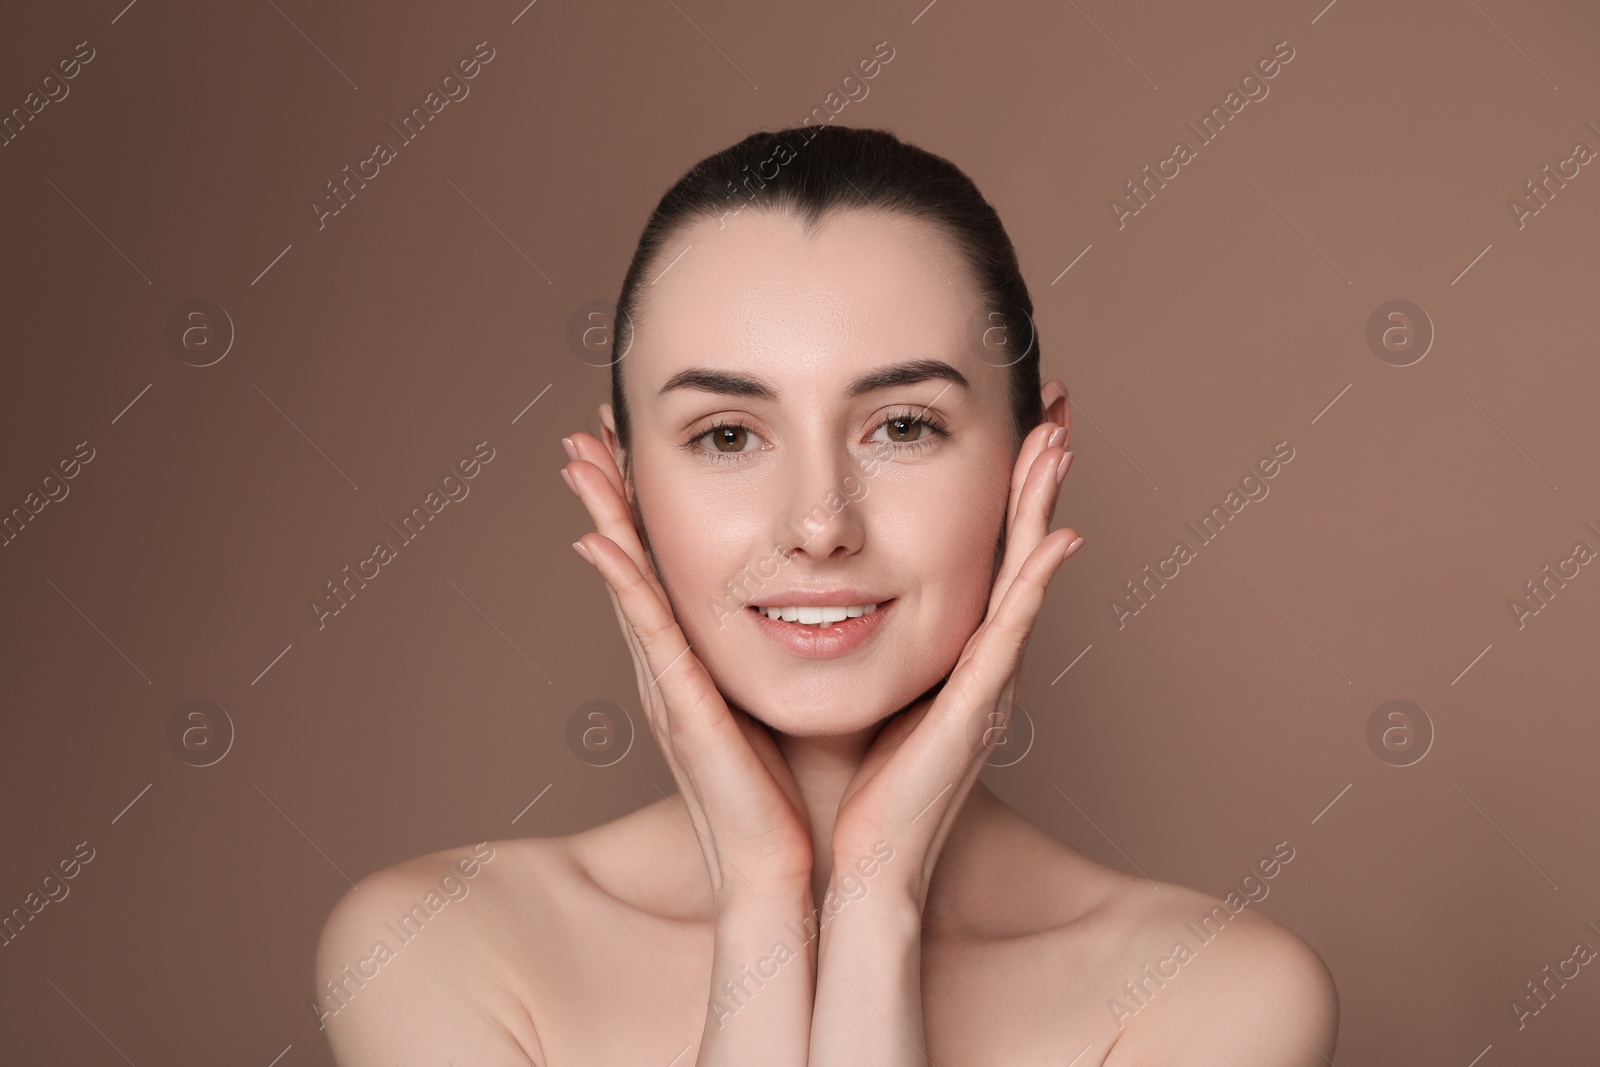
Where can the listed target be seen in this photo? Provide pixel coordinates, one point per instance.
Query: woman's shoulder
(405, 964)
(629, 859)
(418, 957)
(1172, 973)
(1211, 980)
(1206, 980)
(454, 881)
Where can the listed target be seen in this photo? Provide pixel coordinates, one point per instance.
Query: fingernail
(1057, 436)
(577, 546)
(568, 479)
(1061, 469)
(1074, 546)
(572, 450)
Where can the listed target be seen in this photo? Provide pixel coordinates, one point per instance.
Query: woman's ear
(1056, 408)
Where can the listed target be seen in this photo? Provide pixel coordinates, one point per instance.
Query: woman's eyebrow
(747, 385)
(918, 370)
(716, 381)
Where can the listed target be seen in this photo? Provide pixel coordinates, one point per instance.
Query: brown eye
(729, 438)
(903, 431)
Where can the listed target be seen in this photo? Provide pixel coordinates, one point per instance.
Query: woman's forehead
(756, 285)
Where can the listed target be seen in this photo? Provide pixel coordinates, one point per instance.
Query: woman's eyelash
(938, 431)
(933, 424)
(712, 453)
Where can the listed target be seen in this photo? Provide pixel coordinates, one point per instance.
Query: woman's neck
(823, 767)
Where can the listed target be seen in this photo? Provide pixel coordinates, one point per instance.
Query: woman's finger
(1040, 438)
(941, 747)
(612, 517)
(997, 651)
(724, 763)
(1036, 494)
(589, 447)
(989, 665)
(686, 688)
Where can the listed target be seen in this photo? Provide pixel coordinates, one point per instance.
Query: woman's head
(825, 364)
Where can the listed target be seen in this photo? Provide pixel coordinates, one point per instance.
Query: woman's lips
(822, 642)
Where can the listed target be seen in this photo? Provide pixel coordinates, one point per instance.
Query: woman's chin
(848, 714)
(807, 719)
(812, 725)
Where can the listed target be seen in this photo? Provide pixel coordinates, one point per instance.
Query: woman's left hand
(918, 772)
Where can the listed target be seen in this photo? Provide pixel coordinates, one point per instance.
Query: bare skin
(596, 949)
(953, 931)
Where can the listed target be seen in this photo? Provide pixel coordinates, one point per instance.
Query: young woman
(822, 501)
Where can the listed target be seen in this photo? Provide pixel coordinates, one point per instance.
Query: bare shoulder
(1213, 981)
(1166, 974)
(471, 954)
(405, 962)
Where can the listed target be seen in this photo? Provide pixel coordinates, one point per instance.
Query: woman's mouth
(823, 631)
(818, 616)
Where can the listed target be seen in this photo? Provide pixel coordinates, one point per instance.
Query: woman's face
(863, 457)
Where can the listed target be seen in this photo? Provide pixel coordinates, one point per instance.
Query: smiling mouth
(816, 617)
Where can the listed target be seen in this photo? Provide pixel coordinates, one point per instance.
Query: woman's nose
(822, 515)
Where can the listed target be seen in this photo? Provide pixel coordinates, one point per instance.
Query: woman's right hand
(742, 798)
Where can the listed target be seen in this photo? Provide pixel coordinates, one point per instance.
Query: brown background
(1225, 317)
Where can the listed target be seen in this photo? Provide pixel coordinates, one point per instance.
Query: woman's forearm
(762, 982)
(869, 984)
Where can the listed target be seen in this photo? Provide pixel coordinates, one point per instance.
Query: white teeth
(818, 616)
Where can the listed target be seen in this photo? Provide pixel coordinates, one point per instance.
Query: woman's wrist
(869, 992)
(738, 898)
(886, 914)
(878, 880)
(763, 977)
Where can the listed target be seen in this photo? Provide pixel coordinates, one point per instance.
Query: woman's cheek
(699, 558)
(944, 550)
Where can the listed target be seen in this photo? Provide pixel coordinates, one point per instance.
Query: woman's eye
(905, 430)
(729, 439)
